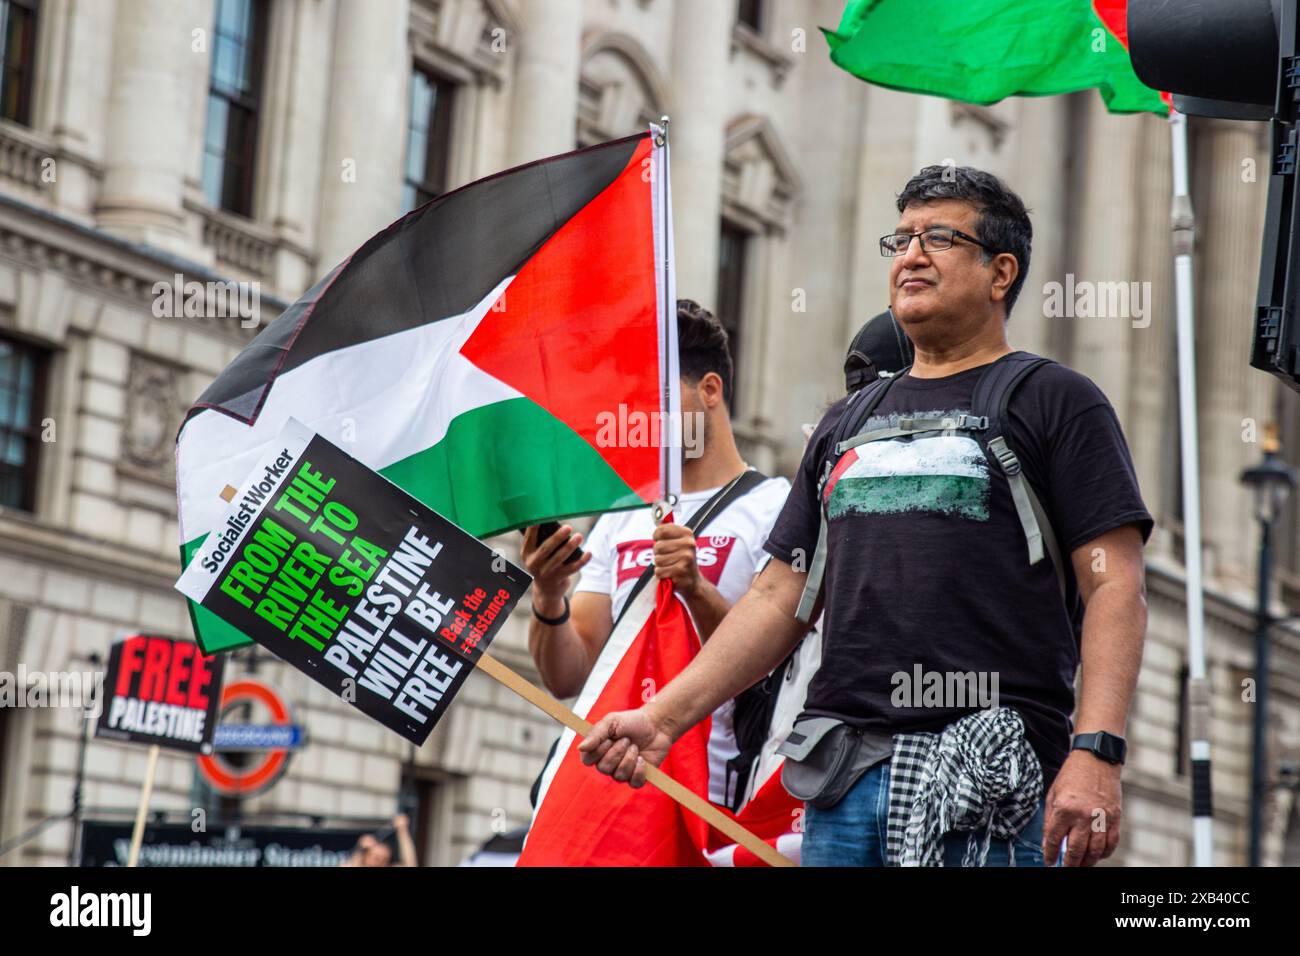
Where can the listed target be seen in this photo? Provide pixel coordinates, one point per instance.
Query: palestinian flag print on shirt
(941, 474)
(470, 353)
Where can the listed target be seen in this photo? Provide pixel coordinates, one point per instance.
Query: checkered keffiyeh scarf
(978, 771)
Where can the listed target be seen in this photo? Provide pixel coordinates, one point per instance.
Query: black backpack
(985, 423)
(751, 722)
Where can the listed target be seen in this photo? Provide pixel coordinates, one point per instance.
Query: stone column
(144, 150)
(1230, 220)
(886, 161)
(1040, 144)
(701, 44)
(544, 118)
(73, 95)
(1108, 222)
(1152, 420)
(296, 80)
(365, 140)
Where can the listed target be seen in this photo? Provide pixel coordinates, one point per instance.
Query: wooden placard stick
(142, 811)
(688, 798)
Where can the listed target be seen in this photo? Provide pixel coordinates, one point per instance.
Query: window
(17, 52)
(22, 373)
(750, 13)
(732, 247)
(428, 139)
(234, 96)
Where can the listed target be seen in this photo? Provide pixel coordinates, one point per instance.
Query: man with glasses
(918, 532)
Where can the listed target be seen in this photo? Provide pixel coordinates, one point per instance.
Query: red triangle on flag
(584, 303)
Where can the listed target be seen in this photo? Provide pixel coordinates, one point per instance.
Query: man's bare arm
(708, 608)
(752, 639)
(1112, 582)
(566, 654)
(1084, 802)
(756, 634)
(406, 855)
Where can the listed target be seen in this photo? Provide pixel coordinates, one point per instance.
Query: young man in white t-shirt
(709, 573)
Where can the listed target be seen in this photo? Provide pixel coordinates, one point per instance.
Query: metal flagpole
(670, 404)
(1184, 233)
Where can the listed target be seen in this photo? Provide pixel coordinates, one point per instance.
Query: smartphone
(548, 528)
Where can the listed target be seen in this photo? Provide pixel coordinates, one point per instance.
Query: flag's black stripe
(437, 261)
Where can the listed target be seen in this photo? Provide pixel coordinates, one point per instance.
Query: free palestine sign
(341, 573)
(161, 692)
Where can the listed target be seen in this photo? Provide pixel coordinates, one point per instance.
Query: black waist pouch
(824, 757)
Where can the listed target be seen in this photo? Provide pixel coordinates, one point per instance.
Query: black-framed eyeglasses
(936, 239)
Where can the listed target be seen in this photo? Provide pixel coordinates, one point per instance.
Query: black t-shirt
(928, 566)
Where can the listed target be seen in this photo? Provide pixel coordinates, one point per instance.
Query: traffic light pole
(1184, 232)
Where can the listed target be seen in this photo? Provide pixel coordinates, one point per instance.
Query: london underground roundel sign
(270, 743)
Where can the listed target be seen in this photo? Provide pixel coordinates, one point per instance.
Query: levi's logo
(711, 553)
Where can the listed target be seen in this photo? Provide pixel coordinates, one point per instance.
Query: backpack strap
(992, 395)
(916, 425)
(741, 485)
(856, 414)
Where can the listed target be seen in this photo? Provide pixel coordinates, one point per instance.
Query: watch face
(1111, 747)
(1105, 745)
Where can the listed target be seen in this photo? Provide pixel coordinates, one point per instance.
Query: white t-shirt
(729, 553)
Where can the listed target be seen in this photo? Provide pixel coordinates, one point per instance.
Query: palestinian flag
(982, 51)
(479, 353)
(584, 818)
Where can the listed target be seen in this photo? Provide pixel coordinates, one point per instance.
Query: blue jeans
(852, 833)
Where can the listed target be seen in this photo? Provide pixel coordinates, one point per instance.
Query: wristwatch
(1108, 747)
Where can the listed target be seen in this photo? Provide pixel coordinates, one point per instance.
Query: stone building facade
(260, 141)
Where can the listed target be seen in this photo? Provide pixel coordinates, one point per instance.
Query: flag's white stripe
(949, 455)
(380, 401)
(619, 641)
(789, 845)
(661, 218)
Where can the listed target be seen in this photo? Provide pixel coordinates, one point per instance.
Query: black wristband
(553, 621)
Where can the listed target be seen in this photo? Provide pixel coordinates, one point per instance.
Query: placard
(350, 579)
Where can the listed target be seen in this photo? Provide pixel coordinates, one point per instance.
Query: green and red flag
(480, 353)
(982, 51)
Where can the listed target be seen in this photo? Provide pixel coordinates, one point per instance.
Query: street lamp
(1271, 481)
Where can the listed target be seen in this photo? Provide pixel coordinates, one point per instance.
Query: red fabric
(588, 819)
(585, 303)
(771, 814)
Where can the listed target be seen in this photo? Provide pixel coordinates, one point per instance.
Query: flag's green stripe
(957, 495)
(982, 51)
(511, 464)
(499, 467)
(212, 633)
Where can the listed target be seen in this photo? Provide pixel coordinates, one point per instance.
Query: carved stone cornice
(42, 543)
(779, 63)
(113, 267)
(472, 38)
(759, 179)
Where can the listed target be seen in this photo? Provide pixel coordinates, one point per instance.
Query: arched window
(619, 91)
